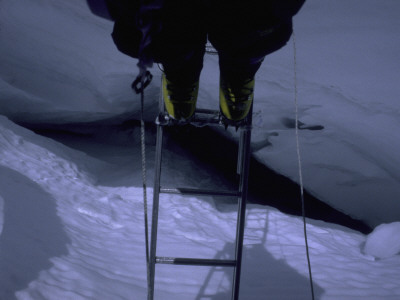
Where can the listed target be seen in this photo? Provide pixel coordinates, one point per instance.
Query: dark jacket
(133, 20)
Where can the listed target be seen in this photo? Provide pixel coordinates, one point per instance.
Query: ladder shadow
(31, 234)
(262, 277)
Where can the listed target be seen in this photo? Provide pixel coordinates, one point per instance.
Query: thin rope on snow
(303, 212)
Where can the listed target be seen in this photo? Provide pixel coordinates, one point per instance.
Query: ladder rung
(190, 191)
(207, 111)
(202, 117)
(195, 261)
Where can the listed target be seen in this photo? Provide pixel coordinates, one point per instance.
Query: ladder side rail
(245, 163)
(156, 200)
(243, 170)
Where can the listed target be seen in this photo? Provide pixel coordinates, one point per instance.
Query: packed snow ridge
(71, 207)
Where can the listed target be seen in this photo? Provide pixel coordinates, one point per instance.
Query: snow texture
(71, 206)
(384, 241)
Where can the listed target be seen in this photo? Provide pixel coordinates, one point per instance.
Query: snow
(384, 241)
(71, 207)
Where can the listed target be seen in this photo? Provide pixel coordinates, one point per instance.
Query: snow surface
(384, 241)
(71, 213)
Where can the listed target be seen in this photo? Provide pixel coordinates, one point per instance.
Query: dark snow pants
(242, 31)
(242, 37)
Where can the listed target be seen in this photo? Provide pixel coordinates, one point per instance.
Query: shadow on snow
(32, 232)
(208, 153)
(262, 274)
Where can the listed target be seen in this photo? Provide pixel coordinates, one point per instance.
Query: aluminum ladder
(203, 117)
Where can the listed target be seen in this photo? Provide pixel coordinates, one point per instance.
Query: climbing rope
(300, 166)
(140, 83)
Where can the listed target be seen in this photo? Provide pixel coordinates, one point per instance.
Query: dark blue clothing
(242, 31)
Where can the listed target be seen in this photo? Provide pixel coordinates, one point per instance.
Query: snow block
(384, 241)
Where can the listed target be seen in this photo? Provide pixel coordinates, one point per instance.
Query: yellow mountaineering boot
(235, 99)
(180, 99)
